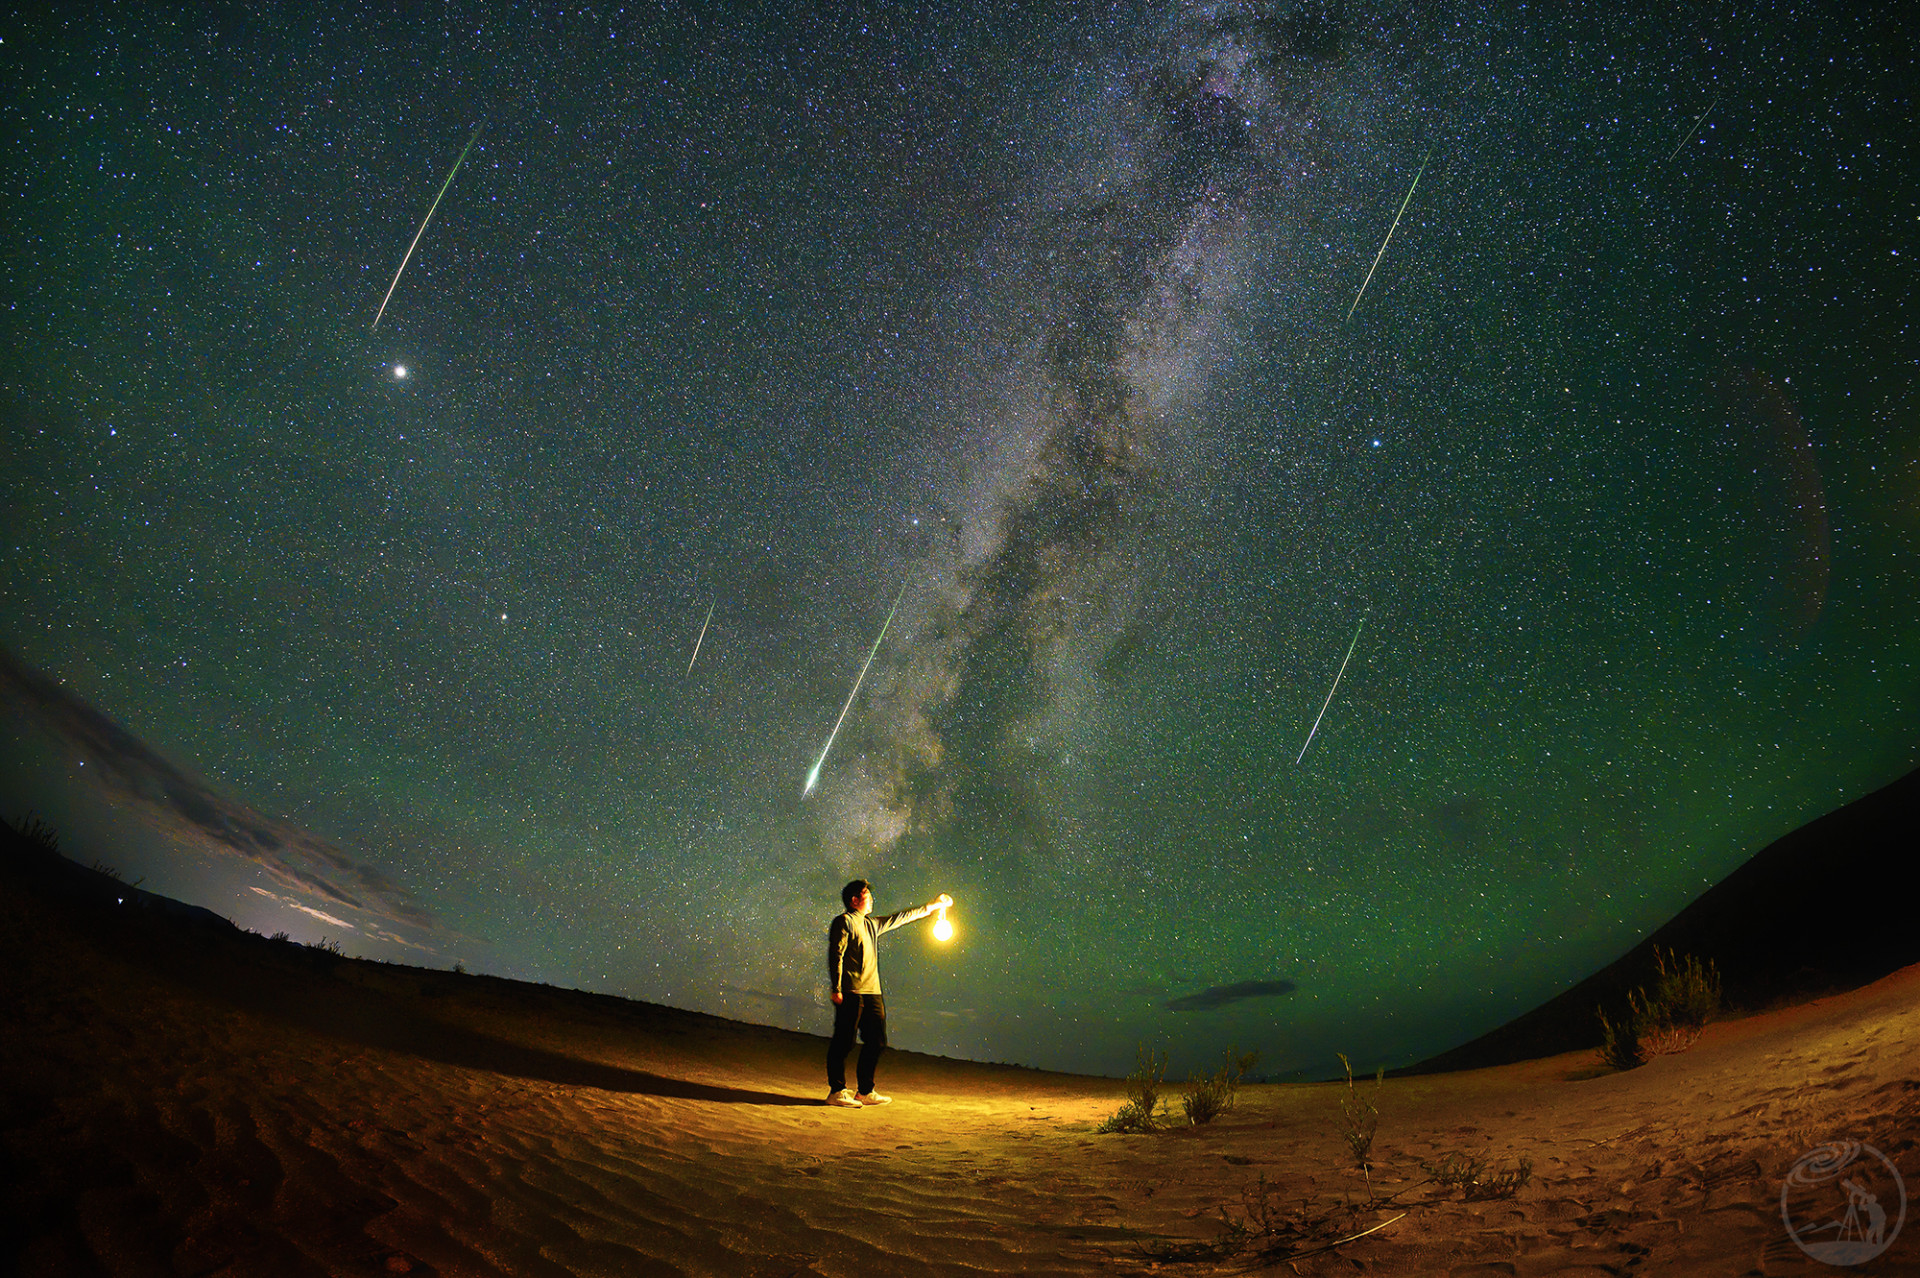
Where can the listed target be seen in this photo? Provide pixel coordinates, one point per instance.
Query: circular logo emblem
(1843, 1203)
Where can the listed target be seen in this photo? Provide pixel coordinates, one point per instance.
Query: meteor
(814, 775)
(1696, 126)
(423, 225)
(1390, 230)
(703, 634)
(1330, 691)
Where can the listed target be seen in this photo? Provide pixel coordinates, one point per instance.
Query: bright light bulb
(942, 930)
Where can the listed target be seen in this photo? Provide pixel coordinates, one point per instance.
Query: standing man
(853, 967)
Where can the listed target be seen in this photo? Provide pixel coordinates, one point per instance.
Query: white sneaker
(844, 1098)
(872, 1098)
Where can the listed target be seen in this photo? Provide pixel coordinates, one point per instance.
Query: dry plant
(1684, 997)
(36, 834)
(1141, 1112)
(1359, 1119)
(1266, 1224)
(1208, 1098)
(1620, 1044)
(1469, 1174)
(1665, 1017)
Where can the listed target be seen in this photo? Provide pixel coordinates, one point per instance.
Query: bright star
(400, 372)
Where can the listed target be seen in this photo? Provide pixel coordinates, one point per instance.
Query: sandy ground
(197, 1105)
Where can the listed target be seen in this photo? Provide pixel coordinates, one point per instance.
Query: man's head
(857, 896)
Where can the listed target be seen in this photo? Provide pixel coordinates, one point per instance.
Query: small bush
(1128, 1118)
(1455, 1171)
(37, 834)
(1664, 1017)
(1469, 1174)
(1359, 1118)
(1684, 997)
(1208, 1098)
(1503, 1184)
(1141, 1112)
(1620, 1044)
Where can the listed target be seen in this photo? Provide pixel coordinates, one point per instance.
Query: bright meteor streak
(1390, 230)
(814, 775)
(423, 224)
(703, 634)
(1330, 691)
(1696, 126)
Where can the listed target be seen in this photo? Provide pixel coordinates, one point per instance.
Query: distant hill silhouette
(1829, 907)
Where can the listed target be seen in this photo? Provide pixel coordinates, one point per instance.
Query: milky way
(1132, 281)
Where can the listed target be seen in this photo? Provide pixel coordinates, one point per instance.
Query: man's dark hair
(851, 892)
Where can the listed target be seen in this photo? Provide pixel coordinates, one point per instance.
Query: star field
(1037, 312)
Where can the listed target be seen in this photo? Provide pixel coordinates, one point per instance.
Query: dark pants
(867, 1014)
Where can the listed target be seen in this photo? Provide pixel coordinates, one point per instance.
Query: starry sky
(1040, 319)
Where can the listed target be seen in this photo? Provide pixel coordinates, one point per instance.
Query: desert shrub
(1128, 1118)
(1620, 1044)
(1684, 996)
(1664, 1017)
(322, 955)
(1359, 1117)
(1455, 1171)
(1141, 1112)
(1273, 1227)
(1503, 1184)
(1206, 1098)
(36, 834)
(1209, 1097)
(1469, 1174)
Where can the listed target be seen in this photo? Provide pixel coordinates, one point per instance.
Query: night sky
(1039, 314)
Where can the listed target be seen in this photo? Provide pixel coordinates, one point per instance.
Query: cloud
(133, 773)
(294, 903)
(1218, 996)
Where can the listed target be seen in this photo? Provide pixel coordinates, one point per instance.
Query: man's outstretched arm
(914, 915)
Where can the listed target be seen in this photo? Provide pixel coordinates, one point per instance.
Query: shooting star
(1696, 126)
(1330, 691)
(423, 224)
(814, 775)
(1390, 230)
(703, 634)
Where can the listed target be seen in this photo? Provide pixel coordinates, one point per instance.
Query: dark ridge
(1829, 907)
(366, 1001)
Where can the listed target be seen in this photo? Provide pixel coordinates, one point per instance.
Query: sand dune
(181, 1099)
(1826, 907)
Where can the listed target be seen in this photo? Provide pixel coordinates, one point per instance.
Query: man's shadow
(360, 1018)
(322, 1003)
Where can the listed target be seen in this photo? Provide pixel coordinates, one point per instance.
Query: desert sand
(180, 1099)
